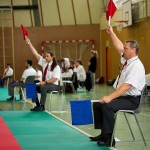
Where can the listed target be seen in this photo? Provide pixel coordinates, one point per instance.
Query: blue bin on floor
(31, 90)
(81, 112)
(1, 82)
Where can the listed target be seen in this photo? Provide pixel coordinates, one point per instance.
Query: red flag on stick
(24, 31)
(110, 10)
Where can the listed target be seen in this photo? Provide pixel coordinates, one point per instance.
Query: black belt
(131, 95)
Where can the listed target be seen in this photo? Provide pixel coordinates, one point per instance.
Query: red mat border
(7, 139)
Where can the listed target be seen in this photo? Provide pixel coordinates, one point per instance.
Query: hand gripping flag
(111, 9)
(24, 31)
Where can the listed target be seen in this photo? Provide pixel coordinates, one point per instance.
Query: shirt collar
(132, 59)
(49, 64)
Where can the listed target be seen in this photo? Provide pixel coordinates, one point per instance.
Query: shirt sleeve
(57, 72)
(135, 75)
(24, 74)
(122, 59)
(42, 61)
(11, 71)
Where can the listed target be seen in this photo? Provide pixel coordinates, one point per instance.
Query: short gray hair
(133, 44)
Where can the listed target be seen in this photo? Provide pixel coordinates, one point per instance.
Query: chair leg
(73, 89)
(144, 141)
(23, 93)
(50, 101)
(64, 86)
(140, 130)
(129, 127)
(51, 94)
(113, 133)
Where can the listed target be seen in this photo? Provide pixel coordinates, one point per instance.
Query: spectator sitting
(72, 66)
(28, 72)
(79, 69)
(8, 73)
(66, 69)
(65, 64)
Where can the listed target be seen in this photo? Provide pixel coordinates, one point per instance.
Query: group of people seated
(8, 74)
(29, 71)
(48, 80)
(70, 68)
(66, 67)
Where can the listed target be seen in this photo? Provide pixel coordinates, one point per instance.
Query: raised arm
(33, 50)
(116, 42)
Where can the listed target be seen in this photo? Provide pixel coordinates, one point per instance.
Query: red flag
(110, 10)
(24, 31)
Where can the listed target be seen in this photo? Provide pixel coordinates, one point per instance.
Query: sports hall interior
(71, 28)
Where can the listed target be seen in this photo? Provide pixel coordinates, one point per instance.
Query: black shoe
(41, 108)
(96, 138)
(106, 142)
(38, 108)
(35, 108)
(11, 98)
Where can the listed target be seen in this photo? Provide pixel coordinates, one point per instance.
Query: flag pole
(109, 21)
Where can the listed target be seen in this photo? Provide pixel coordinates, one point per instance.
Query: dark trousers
(44, 89)
(104, 113)
(12, 85)
(5, 79)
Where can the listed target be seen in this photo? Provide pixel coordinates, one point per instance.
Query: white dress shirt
(56, 73)
(39, 73)
(133, 73)
(81, 74)
(8, 71)
(28, 72)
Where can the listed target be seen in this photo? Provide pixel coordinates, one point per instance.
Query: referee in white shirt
(51, 76)
(128, 90)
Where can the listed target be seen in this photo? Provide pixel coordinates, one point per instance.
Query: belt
(131, 95)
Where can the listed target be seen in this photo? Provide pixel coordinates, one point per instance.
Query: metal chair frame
(29, 79)
(51, 94)
(132, 112)
(71, 84)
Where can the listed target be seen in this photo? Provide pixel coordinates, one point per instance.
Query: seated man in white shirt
(8, 73)
(129, 85)
(28, 72)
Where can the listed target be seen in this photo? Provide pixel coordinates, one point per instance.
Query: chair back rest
(138, 110)
(30, 79)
